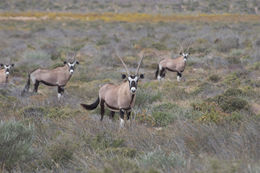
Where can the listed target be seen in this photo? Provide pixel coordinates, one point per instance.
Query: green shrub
(233, 92)
(214, 78)
(122, 152)
(62, 153)
(165, 113)
(210, 112)
(234, 60)
(161, 160)
(230, 104)
(28, 112)
(15, 144)
(105, 140)
(146, 96)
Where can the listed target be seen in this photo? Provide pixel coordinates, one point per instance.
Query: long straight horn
(126, 69)
(181, 47)
(139, 64)
(74, 56)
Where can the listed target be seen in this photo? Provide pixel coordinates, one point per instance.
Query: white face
(71, 67)
(133, 83)
(7, 69)
(185, 55)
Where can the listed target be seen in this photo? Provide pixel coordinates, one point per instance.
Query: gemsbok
(118, 98)
(5, 72)
(173, 65)
(55, 77)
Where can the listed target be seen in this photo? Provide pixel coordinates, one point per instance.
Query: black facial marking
(123, 76)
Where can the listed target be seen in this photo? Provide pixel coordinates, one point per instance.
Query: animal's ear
(189, 53)
(180, 53)
(77, 62)
(123, 76)
(65, 62)
(1, 65)
(12, 65)
(141, 76)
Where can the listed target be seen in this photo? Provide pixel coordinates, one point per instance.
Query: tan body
(3, 76)
(55, 77)
(173, 65)
(117, 97)
(52, 77)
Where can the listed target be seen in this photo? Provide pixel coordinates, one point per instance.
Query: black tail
(157, 71)
(27, 86)
(91, 106)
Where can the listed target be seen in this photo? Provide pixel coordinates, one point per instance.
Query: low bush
(225, 44)
(162, 161)
(230, 104)
(233, 92)
(104, 140)
(146, 96)
(121, 152)
(62, 152)
(214, 78)
(16, 141)
(210, 112)
(165, 113)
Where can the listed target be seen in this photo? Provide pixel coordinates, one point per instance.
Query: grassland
(209, 122)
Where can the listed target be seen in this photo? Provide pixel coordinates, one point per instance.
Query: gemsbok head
(5, 72)
(58, 76)
(173, 65)
(118, 98)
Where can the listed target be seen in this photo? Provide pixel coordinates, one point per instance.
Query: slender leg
(102, 105)
(161, 74)
(128, 115)
(60, 92)
(129, 121)
(36, 85)
(122, 121)
(179, 76)
(112, 114)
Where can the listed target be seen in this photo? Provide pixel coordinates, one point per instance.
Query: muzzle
(71, 71)
(133, 90)
(7, 73)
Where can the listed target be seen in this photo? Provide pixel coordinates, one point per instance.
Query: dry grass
(208, 122)
(129, 17)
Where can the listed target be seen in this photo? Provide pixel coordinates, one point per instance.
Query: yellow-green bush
(16, 140)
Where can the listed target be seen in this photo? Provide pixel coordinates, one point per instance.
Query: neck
(66, 69)
(6, 78)
(127, 89)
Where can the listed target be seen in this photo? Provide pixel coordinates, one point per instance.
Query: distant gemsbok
(5, 72)
(118, 98)
(55, 77)
(174, 65)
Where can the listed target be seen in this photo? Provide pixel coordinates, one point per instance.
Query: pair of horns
(73, 57)
(138, 67)
(188, 44)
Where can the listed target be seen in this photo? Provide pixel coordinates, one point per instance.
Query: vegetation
(208, 122)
